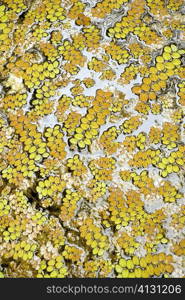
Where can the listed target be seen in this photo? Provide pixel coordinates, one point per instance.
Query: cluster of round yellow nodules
(93, 119)
(27, 153)
(76, 166)
(107, 140)
(129, 73)
(55, 142)
(63, 105)
(142, 108)
(77, 89)
(51, 52)
(12, 232)
(146, 266)
(131, 124)
(87, 131)
(72, 253)
(71, 122)
(20, 201)
(91, 267)
(97, 189)
(50, 187)
(108, 74)
(23, 250)
(53, 268)
(94, 238)
(39, 72)
(88, 82)
(14, 101)
(4, 143)
(117, 207)
(4, 207)
(96, 64)
(117, 53)
(129, 143)
(156, 109)
(174, 6)
(144, 158)
(126, 175)
(169, 192)
(181, 93)
(54, 11)
(43, 93)
(169, 60)
(141, 179)
(177, 116)
(116, 106)
(178, 219)
(76, 9)
(179, 248)
(21, 166)
(56, 37)
(16, 5)
(141, 140)
(92, 36)
(102, 168)
(39, 33)
(83, 20)
(138, 50)
(69, 205)
(132, 24)
(173, 163)
(105, 7)
(73, 56)
(82, 100)
(39, 218)
(127, 243)
(155, 135)
(36, 148)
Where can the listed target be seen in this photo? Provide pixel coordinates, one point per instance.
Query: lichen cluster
(92, 152)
